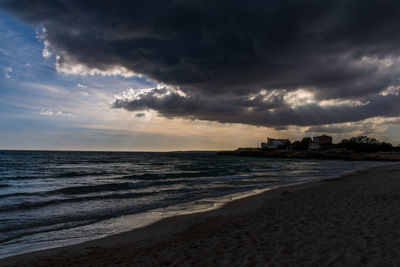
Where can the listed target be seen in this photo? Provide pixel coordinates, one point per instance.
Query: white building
(274, 143)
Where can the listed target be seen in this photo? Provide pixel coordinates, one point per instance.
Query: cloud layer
(274, 108)
(235, 61)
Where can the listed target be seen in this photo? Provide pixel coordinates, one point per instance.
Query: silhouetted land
(327, 154)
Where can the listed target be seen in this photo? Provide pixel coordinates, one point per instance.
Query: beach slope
(351, 220)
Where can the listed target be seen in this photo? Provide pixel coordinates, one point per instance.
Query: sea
(56, 198)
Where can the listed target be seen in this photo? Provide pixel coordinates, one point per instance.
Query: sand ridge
(350, 221)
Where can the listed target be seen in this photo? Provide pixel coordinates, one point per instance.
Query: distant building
(320, 141)
(274, 143)
(313, 146)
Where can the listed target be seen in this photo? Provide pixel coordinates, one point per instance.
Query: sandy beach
(346, 221)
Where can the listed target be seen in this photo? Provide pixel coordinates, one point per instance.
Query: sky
(166, 75)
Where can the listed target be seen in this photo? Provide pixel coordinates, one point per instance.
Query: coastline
(327, 154)
(160, 233)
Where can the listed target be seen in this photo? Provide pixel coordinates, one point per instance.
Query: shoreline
(167, 228)
(327, 154)
(220, 203)
(131, 222)
(216, 203)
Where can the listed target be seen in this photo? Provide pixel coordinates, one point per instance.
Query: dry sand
(350, 221)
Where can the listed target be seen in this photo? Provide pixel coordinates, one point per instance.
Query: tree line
(360, 143)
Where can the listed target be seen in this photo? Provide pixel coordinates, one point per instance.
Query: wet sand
(348, 221)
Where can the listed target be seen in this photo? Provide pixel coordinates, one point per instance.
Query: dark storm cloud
(229, 49)
(270, 110)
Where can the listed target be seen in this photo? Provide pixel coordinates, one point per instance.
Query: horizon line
(127, 151)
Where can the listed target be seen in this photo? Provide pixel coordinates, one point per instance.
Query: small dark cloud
(221, 52)
(281, 128)
(140, 115)
(332, 129)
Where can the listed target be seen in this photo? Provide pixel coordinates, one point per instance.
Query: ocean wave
(69, 174)
(157, 176)
(38, 204)
(80, 174)
(31, 230)
(23, 228)
(21, 194)
(21, 177)
(79, 190)
(266, 170)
